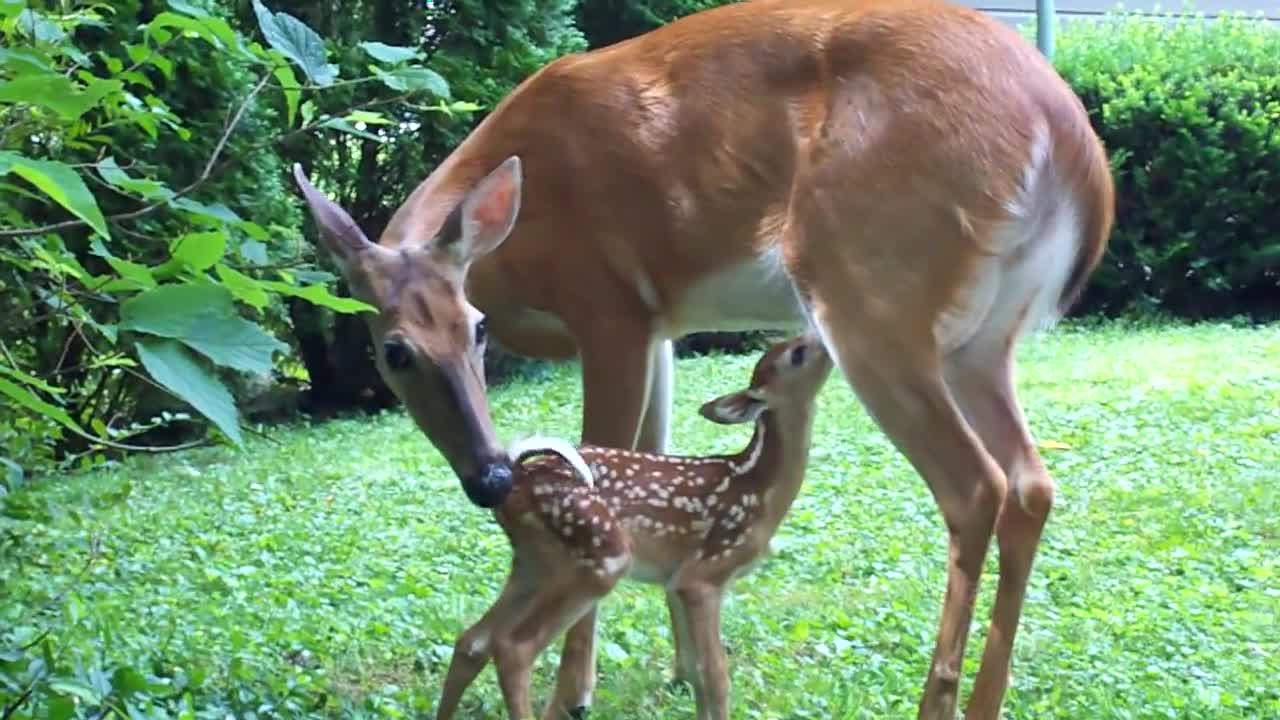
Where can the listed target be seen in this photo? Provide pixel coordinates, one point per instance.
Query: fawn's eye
(797, 356)
(397, 355)
(481, 331)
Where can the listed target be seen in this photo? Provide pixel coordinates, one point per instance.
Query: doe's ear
(486, 214)
(733, 409)
(337, 230)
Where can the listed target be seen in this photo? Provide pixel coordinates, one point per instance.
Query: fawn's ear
(733, 409)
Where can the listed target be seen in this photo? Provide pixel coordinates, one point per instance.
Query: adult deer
(690, 524)
(909, 177)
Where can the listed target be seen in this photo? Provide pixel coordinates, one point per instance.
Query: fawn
(691, 524)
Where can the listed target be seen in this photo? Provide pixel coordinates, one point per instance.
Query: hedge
(1189, 109)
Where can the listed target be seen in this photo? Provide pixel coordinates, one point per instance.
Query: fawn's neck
(777, 456)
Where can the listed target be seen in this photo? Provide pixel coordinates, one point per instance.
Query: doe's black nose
(490, 486)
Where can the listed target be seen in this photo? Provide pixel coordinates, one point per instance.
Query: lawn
(326, 571)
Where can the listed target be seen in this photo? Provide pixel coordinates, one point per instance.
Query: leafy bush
(1190, 112)
(149, 235)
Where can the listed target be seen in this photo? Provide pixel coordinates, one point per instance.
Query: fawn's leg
(552, 608)
(474, 647)
(700, 602)
(616, 377)
(686, 670)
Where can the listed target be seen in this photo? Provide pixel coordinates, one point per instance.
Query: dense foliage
(149, 233)
(1190, 111)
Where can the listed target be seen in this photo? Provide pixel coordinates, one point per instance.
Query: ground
(327, 571)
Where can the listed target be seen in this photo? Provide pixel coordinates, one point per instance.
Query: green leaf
(216, 211)
(200, 250)
(172, 365)
(254, 251)
(35, 25)
(297, 42)
(291, 89)
(342, 125)
(137, 276)
(245, 288)
(318, 295)
(71, 686)
(31, 401)
(368, 117)
(26, 60)
(60, 182)
(57, 93)
(185, 7)
(204, 318)
(213, 30)
(32, 380)
(117, 177)
(407, 79)
(393, 54)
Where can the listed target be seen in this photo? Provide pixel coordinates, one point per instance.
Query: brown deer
(580, 520)
(909, 177)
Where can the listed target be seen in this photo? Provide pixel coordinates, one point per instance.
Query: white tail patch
(526, 447)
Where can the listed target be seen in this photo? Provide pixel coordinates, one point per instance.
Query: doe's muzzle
(489, 486)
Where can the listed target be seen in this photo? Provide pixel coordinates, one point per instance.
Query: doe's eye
(397, 354)
(481, 331)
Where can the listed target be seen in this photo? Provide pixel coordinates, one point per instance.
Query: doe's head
(788, 375)
(428, 339)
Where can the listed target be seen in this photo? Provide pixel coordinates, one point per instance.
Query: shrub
(1189, 110)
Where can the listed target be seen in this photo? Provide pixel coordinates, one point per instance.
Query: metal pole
(1044, 27)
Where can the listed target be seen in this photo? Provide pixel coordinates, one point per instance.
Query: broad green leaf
(297, 42)
(213, 30)
(11, 8)
(137, 276)
(368, 117)
(117, 177)
(185, 7)
(60, 182)
(26, 60)
(393, 54)
(204, 318)
(245, 288)
(29, 400)
(318, 295)
(408, 79)
(71, 686)
(342, 125)
(35, 25)
(216, 211)
(57, 93)
(291, 89)
(254, 251)
(172, 365)
(200, 250)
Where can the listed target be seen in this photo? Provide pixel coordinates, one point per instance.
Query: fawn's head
(789, 375)
(428, 339)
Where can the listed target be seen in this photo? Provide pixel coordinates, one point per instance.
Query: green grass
(329, 572)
